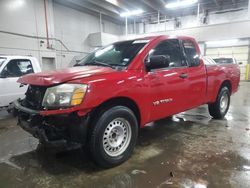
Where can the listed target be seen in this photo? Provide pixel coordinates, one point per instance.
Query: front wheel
(113, 136)
(219, 109)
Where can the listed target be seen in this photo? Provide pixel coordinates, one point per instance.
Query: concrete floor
(191, 150)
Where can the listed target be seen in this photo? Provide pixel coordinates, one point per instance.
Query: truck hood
(64, 75)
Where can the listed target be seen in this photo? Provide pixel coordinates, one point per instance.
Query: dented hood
(64, 75)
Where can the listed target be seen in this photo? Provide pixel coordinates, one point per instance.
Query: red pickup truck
(104, 100)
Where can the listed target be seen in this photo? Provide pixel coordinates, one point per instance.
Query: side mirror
(196, 61)
(157, 62)
(240, 63)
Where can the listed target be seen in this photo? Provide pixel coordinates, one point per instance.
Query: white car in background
(220, 60)
(11, 68)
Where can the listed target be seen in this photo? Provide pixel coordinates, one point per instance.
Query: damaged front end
(53, 130)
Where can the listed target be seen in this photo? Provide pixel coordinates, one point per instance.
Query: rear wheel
(113, 136)
(219, 109)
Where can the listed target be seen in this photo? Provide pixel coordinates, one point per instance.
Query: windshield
(117, 54)
(224, 60)
(2, 59)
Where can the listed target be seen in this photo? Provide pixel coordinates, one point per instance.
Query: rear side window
(191, 53)
(170, 48)
(17, 68)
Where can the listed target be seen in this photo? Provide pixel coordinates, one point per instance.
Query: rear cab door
(10, 72)
(196, 74)
(168, 86)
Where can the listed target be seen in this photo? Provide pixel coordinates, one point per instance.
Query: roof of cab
(161, 36)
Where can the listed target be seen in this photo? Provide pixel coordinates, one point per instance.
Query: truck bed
(216, 73)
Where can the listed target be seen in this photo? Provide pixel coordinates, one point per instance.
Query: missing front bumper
(55, 130)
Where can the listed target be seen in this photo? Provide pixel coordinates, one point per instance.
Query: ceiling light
(222, 42)
(131, 13)
(180, 4)
(114, 2)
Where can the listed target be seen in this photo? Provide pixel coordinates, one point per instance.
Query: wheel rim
(116, 137)
(224, 102)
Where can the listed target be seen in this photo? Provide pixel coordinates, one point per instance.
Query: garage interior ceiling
(112, 8)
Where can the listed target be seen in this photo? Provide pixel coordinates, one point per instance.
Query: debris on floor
(171, 174)
(134, 172)
(167, 182)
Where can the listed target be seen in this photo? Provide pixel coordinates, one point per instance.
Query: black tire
(102, 124)
(215, 109)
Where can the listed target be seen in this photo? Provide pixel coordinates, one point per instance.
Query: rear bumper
(55, 130)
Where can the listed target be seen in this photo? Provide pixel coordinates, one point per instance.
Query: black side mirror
(157, 62)
(240, 63)
(195, 62)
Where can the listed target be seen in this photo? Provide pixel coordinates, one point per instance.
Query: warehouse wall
(190, 21)
(25, 18)
(210, 32)
(220, 26)
(71, 27)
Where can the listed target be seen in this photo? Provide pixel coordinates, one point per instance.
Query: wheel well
(119, 101)
(228, 84)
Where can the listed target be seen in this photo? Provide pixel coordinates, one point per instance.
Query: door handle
(183, 75)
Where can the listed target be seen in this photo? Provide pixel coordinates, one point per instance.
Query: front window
(171, 49)
(2, 60)
(17, 68)
(119, 54)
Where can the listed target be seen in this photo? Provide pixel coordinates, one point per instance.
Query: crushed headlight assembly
(64, 95)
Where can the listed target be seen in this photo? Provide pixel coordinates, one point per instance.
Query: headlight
(64, 95)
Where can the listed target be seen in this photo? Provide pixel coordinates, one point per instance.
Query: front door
(168, 86)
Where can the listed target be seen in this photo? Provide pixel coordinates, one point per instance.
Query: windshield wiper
(99, 63)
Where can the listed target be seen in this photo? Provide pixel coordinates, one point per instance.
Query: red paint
(200, 87)
(64, 75)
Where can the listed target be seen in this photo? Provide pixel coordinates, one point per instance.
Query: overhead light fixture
(113, 2)
(180, 4)
(223, 42)
(131, 13)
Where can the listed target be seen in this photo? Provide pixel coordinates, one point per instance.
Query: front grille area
(34, 97)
